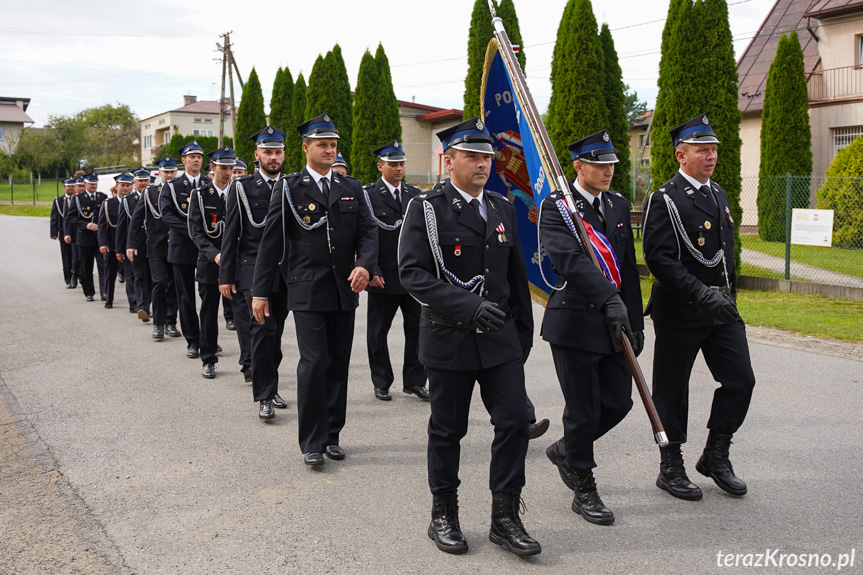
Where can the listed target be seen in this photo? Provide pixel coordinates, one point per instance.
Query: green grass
(45, 192)
(31, 210)
(814, 315)
(842, 260)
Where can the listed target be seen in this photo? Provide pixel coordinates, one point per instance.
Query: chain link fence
(778, 229)
(18, 191)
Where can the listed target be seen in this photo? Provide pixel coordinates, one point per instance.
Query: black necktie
(598, 211)
(705, 191)
(325, 188)
(269, 183)
(398, 197)
(474, 203)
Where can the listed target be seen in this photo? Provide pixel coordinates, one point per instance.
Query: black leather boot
(587, 502)
(556, 453)
(444, 528)
(158, 332)
(672, 475)
(506, 528)
(714, 463)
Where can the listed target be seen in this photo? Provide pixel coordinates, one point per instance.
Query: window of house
(643, 141)
(148, 141)
(844, 136)
(859, 50)
(202, 132)
(167, 136)
(645, 163)
(198, 120)
(208, 120)
(1, 132)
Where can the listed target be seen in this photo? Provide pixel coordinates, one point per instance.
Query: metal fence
(26, 191)
(774, 226)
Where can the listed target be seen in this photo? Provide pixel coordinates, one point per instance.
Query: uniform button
(458, 323)
(486, 270)
(723, 244)
(485, 292)
(563, 302)
(458, 240)
(486, 247)
(334, 267)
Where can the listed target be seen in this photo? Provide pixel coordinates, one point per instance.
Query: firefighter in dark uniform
(689, 248)
(245, 217)
(340, 166)
(107, 233)
(81, 221)
(460, 257)
(148, 244)
(58, 211)
(134, 294)
(206, 225)
(387, 200)
(319, 225)
(240, 168)
(585, 315)
(182, 252)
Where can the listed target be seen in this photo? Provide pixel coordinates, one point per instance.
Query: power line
(102, 34)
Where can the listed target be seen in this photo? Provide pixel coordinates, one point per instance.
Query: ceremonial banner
(517, 171)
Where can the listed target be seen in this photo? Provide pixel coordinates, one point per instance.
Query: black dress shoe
(192, 351)
(267, 411)
(335, 452)
(444, 528)
(587, 502)
(230, 325)
(556, 452)
(218, 348)
(68, 285)
(507, 530)
(383, 394)
(279, 402)
(158, 332)
(313, 459)
(172, 331)
(143, 315)
(121, 279)
(247, 376)
(109, 305)
(714, 463)
(74, 282)
(672, 475)
(89, 298)
(208, 371)
(104, 297)
(419, 391)
(133, 308)
(537, 429)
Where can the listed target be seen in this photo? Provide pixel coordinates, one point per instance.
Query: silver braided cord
(381, 225)
(157, 214)
(242, 195)
(539, 250)
(78, 204)
(107, 216)
(431, 230)
(304, 225)
(681, 233)
(126, 207)
(177, 205)
(220, 225)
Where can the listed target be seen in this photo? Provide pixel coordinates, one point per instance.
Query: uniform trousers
(382, 309)
(243, 318)
(502, 390)
(324, 340)
(597, 389)
(111, 265)
(76, 267)
(266, 345)
(102, 267)
(143, 285)
(227, 309)
(164, 298)
(184, 282)
(66, 257)
(129, 274)
(86, 259)
(726, 353)
(209, 326)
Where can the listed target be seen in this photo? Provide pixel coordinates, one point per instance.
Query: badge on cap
(396, 145)
(706, 224)
(270, 130)
(479, 125)
(605, 136)
(326, 117)
(704, 119)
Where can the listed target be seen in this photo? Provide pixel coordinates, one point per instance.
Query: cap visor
(478, 147)
(600, 159)
(393, 158)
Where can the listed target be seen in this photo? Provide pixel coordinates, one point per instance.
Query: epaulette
(369, 186)
(618, 194)
(350, 177)
(667, 186)
(433, 193)
(496, 195)
(410, 187)
(245, 177)
(555, 195)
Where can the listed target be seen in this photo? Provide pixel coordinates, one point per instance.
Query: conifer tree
(315, 90)
(343, 103)
(367, 124)
(786, 138)
(577, 106)
(251, 118)
(506, 11)
(390, 122)
(616, 122)
(481, 31)
(280, 104)
(294, 157)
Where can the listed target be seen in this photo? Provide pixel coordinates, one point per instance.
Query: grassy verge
(842, 260)
(16, 210)
(45, 192)
(814, 315)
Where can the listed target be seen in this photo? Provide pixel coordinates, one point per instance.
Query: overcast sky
(67, 56)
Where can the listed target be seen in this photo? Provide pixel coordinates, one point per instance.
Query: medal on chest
(501, 234)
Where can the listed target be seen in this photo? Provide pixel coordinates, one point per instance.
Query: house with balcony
(193, 118)
(831, 36)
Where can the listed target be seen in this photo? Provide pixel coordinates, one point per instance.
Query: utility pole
(224, 48)
(229, 66)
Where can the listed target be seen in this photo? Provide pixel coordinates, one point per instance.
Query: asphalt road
(170, 473)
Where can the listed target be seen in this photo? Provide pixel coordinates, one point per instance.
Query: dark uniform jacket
(127, 208)
(679, 276)
(58, 213)
(82, 211)
(317, 266)
(466, 252)
(206, 228)
(108, 214)
(147, 232)
(242, 238)
(572, 315)
(174, 203)
(385, 209)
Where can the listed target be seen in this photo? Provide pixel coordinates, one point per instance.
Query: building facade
(13, 120)
(193, 118)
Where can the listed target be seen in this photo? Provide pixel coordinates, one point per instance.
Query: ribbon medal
(457, 250)
(501, 234)
(727, 211)
(214, 220)
(312, 207)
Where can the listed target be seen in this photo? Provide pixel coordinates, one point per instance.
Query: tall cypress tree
(577, 106)
(506, 11)
(343, 102)
(294, 157)
(390, 122)
(786, 138)
(279, 109)
(367, 124)
(251, 118)
(316, 90)
(481, 31)
(616, 122)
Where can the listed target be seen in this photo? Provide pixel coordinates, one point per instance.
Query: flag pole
(554, 173)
